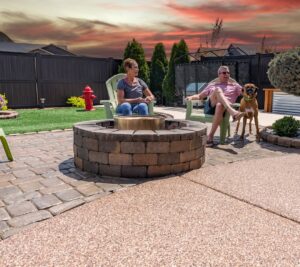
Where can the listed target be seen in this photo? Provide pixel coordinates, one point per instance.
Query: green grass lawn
(35, 120)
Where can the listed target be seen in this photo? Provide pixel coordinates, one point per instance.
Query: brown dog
(249, 106)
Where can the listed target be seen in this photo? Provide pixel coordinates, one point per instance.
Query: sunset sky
(102, 28)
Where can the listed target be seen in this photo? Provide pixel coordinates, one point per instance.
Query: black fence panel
(18, 79)
(243, 69)
(25, 78)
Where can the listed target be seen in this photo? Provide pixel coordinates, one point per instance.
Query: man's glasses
(225, 72)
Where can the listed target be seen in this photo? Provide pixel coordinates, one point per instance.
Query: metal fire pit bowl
(139, 123)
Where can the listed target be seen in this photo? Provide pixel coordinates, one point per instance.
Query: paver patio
(42, 181)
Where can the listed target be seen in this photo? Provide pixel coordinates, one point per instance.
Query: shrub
(284, 71)
(76, 101)
(287, 126)
(3, 102)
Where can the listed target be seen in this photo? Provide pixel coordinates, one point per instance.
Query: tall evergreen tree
(159, 67)
(182, 53)
(135, 51)
(169, 80)
(181, 57)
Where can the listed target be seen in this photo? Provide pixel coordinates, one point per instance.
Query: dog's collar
(247, 99)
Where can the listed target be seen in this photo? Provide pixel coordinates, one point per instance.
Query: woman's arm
(121, 99)
(149, 96)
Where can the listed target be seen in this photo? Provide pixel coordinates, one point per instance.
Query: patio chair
(202, 117)
(5, 145)
(111, 104)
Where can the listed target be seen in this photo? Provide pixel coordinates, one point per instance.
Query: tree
(215, 38)
(182, 56)
(182, 53)
(216, 32)
(169, 80)
(179, 54)
(135, 51)
(159, 67)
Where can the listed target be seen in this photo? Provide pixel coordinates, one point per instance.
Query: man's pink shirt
(231, 90)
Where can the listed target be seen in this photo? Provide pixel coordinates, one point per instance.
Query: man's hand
(189, 98)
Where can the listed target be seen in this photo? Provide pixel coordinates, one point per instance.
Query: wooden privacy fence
(26, 78)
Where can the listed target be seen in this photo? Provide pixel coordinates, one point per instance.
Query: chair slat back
(111, 85)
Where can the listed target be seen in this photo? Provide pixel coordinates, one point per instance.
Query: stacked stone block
(101, 149)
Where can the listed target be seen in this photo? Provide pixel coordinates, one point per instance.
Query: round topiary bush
(287, 126)
(284, 71)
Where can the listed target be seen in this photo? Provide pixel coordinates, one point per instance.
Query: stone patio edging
(279, 140)
(8, 114)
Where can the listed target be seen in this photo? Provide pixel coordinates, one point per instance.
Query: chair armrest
(189, 109)
(104, 101)
(108, 110)
(150, 107)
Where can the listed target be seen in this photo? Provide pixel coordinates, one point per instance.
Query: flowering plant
(3, 102)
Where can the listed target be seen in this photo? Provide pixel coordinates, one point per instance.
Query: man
(222, 92)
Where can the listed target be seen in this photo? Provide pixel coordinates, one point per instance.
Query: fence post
(36, 78)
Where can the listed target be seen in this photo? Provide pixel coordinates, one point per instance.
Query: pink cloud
(239, 11)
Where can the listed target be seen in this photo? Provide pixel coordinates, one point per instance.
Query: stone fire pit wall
(101, 149)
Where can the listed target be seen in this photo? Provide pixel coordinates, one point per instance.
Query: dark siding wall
(25, 78)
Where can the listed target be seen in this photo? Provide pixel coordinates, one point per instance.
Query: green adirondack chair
(225, 124)
(111, 104)
(5, 145)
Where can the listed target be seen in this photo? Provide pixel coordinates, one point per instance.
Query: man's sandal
(237, 116)
(210, 143)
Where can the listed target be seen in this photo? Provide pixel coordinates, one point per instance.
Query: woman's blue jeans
(126, 109)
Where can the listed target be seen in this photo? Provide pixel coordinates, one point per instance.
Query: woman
(131, 91)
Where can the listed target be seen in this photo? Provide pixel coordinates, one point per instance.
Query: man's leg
(218, 97)
(218, 116)
(124, 109)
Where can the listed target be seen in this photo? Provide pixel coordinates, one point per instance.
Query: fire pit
(139, 147)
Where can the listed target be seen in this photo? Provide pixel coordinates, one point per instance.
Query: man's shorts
(208, 109)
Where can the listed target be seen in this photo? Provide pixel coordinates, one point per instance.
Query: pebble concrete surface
(177, 221)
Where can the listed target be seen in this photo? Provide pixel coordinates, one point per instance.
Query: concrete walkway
(244, 213)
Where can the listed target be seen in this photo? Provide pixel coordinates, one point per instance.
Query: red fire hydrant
(88, 98)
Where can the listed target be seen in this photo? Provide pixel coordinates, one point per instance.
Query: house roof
(33, 48)
(241, 50)
(4, 38)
